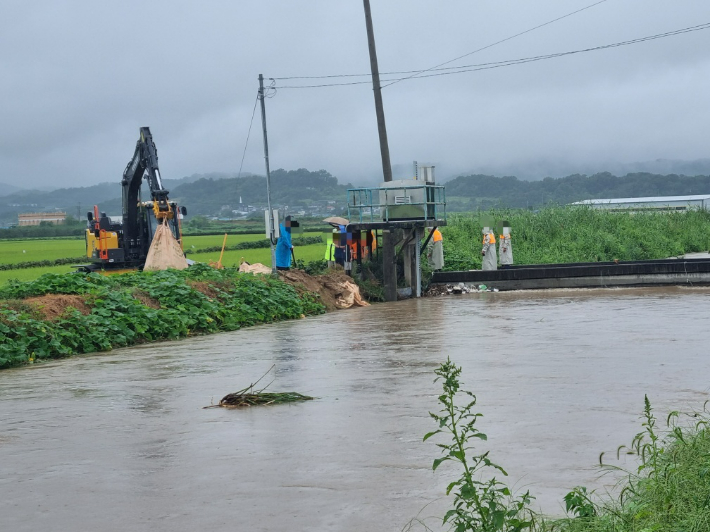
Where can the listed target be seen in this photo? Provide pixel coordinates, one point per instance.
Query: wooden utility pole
(270, 216)
(389, 271)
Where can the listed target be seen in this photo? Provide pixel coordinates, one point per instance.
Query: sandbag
(254, 268)
(347, 294)
(165, 251)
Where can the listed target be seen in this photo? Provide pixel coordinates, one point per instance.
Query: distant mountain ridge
(535, 170)
(6, 190)
(478, 191)
(219, 194)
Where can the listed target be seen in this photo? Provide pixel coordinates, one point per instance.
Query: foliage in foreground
(481, 501)
(668, 492)
(579, 234)
(193, 301)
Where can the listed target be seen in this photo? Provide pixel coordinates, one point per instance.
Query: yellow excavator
(122, 245)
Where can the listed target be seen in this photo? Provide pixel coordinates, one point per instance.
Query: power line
(510, 62)
(248, 134)
(450, 61)
(495, 43)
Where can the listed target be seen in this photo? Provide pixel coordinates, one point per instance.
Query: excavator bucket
(165, 251)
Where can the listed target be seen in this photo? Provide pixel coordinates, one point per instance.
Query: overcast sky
(78, 78)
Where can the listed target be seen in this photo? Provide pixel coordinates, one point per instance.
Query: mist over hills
(535, 170)
(218, 194)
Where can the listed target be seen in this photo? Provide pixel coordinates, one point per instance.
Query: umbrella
(336, 220)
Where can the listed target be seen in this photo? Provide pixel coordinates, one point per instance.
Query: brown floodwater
(120, 441)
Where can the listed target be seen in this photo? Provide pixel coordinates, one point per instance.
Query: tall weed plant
(667, 491)
(481, 501)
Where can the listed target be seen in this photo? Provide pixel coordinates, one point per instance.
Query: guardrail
(397, 203)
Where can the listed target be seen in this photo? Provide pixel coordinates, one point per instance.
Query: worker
(371, 244)
(488, 252)
(506, 250)
(340, 245)
(353, 242)
(435, 254)
(284, 246)
(330, 246)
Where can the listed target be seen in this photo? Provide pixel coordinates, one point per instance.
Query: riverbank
(60, 315)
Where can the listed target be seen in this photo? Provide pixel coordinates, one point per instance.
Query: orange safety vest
(437, 236)
(492, 238)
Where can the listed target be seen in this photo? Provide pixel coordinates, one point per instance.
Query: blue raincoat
(283, 247)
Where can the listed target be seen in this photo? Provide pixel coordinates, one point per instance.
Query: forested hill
(293, 188)
(205, 194)
(218, 194)
(483, 191)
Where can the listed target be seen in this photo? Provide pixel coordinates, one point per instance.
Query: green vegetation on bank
(121, 310)
(669, 490)
(579, 234)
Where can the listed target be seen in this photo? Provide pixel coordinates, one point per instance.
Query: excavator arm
(143, 164)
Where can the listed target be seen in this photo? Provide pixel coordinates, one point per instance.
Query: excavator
(115, 246)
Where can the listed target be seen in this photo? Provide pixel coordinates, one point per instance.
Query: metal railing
(397, 203)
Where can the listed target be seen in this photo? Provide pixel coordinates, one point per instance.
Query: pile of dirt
(204, 287)
(54, 306)
(144, 298)
(337, 290)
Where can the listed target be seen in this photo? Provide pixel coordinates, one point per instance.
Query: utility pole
(389, 272)
(270, 216)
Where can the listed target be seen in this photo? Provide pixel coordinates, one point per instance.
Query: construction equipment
(123, 244)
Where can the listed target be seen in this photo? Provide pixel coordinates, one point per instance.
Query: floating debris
(243, 398)
(250, 397)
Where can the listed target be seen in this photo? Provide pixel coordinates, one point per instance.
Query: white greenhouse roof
(657, 199)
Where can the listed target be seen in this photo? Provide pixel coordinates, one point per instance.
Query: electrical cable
(495, 43)
(248, 135)
(510, 62)
(450, 61)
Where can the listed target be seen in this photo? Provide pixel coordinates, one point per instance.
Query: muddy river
(120, 441)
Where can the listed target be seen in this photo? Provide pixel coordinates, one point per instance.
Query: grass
(231, 258)
(668, 490)
(578, 234)
(30, 274)
(14, 251)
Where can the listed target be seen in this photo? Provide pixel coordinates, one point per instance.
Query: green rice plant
(31, 250)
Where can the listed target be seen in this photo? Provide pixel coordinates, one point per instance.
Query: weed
(480, 504)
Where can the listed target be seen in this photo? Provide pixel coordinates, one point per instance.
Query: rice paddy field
(16, 251)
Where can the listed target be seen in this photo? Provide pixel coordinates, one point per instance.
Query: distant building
(660, 203)
(34, 218)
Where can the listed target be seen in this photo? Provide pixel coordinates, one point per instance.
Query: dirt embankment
(337, 291)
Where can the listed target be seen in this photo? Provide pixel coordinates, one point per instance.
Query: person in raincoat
(506, 250)
(330, 247)
(284, 246)
(488, 251)
(436, 251)
(341, 246)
